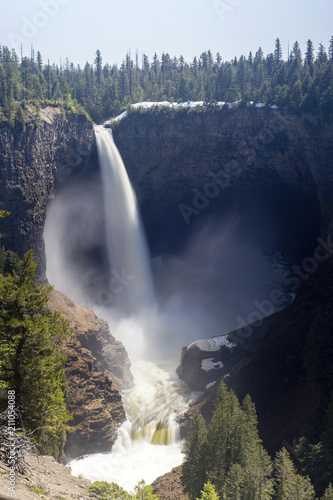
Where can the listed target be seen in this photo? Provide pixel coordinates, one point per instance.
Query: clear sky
(77, 28)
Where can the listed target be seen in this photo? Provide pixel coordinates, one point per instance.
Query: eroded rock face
(169, 486)
(272, 171)
(205, 361)
(97, 368)
(33, 165)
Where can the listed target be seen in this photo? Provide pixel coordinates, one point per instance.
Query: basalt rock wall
(272, 171)
(34, 164)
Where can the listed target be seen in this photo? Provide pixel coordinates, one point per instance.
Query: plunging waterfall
(130, 276)
(148, 443)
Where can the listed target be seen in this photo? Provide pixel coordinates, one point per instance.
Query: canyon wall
(34, 165)
(269, 169)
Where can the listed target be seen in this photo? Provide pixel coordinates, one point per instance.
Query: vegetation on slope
(303, 83)
(32, 382)
(229, 461)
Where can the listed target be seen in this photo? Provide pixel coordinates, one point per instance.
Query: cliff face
(97, 368)
(34, 165)
(271, 170)
(274, 172)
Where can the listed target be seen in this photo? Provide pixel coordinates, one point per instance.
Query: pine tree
(328, 495)
(224, 437)
(309, 57)
(233, 487)
(321, 55)
(98, 67)
(277, 51)
(31, 362)
(208, 492)
(312, 460)
(285, 475)
(296, 52)
(194, 466)
(330, 50)
(289, 485)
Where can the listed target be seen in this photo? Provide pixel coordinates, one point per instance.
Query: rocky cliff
(97, 368)
(272, 170)
(34, 165)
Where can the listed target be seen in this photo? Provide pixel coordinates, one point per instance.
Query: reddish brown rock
(97, 368)
(169, 486)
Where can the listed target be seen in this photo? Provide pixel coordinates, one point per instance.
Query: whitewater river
(148, 443)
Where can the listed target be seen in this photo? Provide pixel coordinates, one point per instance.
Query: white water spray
(130, 276)
(148, 443)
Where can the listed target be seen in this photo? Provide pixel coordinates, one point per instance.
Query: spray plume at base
(192, 294)
(148, 443)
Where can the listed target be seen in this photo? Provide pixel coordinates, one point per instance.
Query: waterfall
(130, 282)
(148, 443)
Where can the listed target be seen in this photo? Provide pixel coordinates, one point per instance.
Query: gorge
(213, 187)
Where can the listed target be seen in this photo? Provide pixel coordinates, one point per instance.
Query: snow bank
(212, 344)
(208, 386)
(208, 364)
(148, 105)
(188, 104)
(120, 117)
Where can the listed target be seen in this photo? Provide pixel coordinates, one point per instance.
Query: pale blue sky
(77, 28)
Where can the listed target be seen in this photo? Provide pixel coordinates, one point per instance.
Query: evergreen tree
(312, 461)
(104, 90)
(208, 492)
(321, 56)
(31, 361)
(330, 50)
(233, 440)
(233, 487)
(194, 466)
(224, 437)
(309, 57)
(289, 485)
(296, 52)
(98, 67)
(328, 495)
(277, 51)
